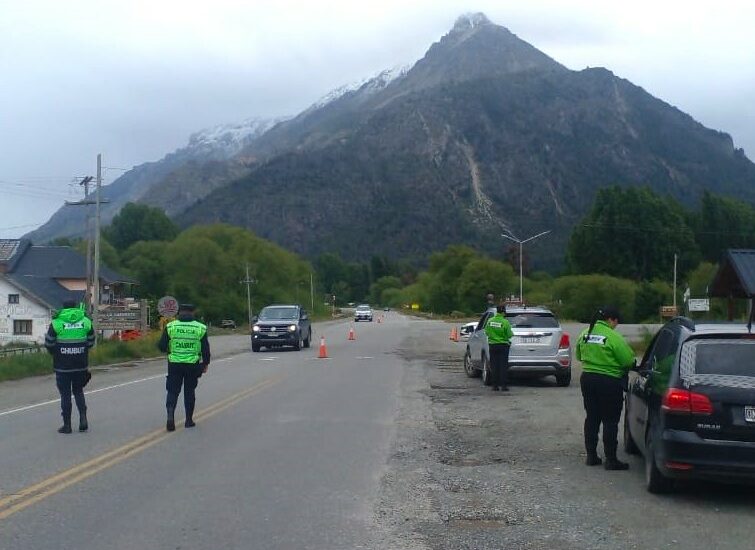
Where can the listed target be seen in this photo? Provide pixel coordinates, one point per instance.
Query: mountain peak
(469, 21)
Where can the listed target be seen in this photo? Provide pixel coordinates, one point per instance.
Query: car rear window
(730, 357)
(532, 320)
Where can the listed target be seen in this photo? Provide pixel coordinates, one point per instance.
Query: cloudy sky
(132, 80)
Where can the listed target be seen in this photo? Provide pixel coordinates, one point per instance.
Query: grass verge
(107, 352)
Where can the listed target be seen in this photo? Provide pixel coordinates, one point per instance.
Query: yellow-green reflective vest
(185, 341)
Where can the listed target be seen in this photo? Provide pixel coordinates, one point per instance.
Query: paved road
(287, 453)
(388, 445)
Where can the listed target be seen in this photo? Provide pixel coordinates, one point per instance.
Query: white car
(466, 330)
(363, 313)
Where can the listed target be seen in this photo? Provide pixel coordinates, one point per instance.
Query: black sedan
(690, 407)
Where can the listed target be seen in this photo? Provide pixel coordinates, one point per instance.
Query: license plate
(750, 414)
(530, 339)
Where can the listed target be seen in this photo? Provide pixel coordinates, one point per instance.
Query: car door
(478, 341)
(641, 389)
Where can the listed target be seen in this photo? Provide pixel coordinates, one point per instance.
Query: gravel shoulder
(475, 469)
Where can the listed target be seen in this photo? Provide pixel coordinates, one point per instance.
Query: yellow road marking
(32, 494)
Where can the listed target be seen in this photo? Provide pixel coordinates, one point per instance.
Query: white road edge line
(36, 405)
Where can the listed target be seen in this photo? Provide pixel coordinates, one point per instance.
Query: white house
(34, 282)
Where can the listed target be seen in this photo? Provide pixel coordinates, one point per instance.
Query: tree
(722, 223)
(580, 296)
(480, 277)
(632, 233)
(139, 222)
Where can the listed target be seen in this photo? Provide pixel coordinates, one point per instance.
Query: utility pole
(521, 277)
(675, 258)
(97, 248)
(249, 281)
(312, 291)
(92, 283)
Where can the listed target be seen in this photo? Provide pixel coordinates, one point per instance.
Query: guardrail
(20, 351)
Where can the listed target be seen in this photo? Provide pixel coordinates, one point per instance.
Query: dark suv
(690, 408)
(281, 325)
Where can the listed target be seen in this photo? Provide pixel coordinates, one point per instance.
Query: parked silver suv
(540, 346)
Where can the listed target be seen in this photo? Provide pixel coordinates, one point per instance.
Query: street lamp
(521, 242)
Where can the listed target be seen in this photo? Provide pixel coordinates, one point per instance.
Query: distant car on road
(227, 323)
(282, 325)
(363, 312)
(690, 406)
(540, 346)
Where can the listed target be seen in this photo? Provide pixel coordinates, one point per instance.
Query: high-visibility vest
(185, 341)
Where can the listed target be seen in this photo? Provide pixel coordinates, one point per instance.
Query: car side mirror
(255, 319)
(304, 317)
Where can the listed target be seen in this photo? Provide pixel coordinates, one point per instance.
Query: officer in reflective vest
(606, 359)
(68, 339)
(499, 333)
(185, 341)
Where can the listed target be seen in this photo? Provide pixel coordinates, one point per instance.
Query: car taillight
(686, 402)
(564, 343)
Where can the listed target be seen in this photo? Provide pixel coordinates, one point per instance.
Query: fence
(20, 351)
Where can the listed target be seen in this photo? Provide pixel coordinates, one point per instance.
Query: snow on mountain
(366, 86)
(226, 140)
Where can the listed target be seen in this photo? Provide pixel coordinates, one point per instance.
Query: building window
(21, 327)
(13, 298)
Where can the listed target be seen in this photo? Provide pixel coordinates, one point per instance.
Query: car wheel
(630, 447)
(487, 376)
(563, 379)
(255, 348)
(298, 344)
(655, 481)
(309, 339)
(469, 369)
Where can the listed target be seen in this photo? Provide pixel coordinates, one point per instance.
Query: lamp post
(521, 242)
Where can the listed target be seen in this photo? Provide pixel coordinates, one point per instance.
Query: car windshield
(363, 308)
(278, 313)
(734, 357)
(532, 320)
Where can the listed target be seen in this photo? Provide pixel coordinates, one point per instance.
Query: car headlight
(255, 328)
(291, 328)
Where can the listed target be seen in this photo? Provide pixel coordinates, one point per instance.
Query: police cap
(69, 304)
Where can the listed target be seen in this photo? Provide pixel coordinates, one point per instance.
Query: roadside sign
(167, 306)
(669, 311)
(699, 304)
(122, 317)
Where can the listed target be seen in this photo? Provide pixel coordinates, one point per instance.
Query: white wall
(26, 309)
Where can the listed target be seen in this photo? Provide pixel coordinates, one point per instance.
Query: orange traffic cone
(323, 349)
(380, 318)
(454, 335)
(352, 336)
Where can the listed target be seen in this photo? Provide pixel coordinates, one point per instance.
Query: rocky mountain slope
(209, 159)
(484, 134)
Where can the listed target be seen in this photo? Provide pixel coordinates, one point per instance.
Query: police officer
(499, 333)
(185, 341)
(606, 359)
(68, 339)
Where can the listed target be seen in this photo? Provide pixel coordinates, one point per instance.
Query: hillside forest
(622, 252)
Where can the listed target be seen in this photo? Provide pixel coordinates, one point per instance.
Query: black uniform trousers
(603, 398)
(186, 375)
(71, 383)
(499, 364)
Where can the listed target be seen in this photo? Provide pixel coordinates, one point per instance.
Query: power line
(635, 229)
(21, 226)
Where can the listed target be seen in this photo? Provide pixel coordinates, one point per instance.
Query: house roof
(45, 290)
(736, 275)
(37, 269)
(60, 262)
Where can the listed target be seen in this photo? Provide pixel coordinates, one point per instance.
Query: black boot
(170, 425)
(189, 418)
(66, 427)
(613, 463)
(593, 459)
(83, 423)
